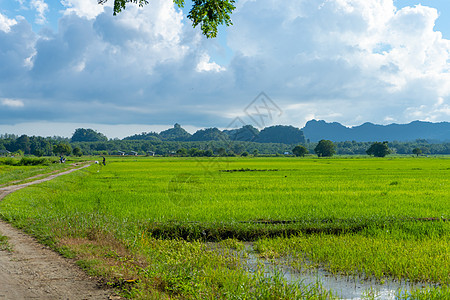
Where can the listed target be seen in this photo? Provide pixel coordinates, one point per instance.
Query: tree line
(48, 146)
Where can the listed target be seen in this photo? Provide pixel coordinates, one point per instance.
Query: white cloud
(6, 24)
(438, 111)
(366, 52)
(12, 103)
(41, 8)
(205, 65)
(109, 64)
(343, 60)
(84, 8)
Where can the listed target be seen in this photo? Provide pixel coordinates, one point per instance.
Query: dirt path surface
(11, 188)
(33, 271)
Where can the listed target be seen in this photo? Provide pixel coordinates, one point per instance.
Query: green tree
(325, 148)
(40, 146)
(379, 149)
(88, 135)
(182, 152)
(300, 150)
(209, 14)
(238, 148)
(38, 152)
(221, 151)
(62, 149)
(208, 153)
(194, 152)
(23, 143)
(77, 151)
(417, 151)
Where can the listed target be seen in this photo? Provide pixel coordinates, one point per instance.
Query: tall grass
(25, 161)
(379, 255)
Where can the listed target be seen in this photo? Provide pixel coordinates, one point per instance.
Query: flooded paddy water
(343, 287)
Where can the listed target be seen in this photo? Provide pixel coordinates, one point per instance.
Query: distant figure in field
(104, 161)
(61, 159)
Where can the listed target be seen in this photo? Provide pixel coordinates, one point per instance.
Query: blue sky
(69, 64)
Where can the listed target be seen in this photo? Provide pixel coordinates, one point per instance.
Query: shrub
(30, 161)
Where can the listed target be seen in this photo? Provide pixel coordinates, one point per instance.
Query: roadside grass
(143, 223)
(14, 171)
(19, 170)
(4, 245)
(177, 269)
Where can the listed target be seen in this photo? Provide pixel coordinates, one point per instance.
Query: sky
(67, 64)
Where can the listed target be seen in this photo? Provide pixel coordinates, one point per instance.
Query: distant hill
(248, 133)
(281, 134)
(88, 135)
(313, 131)
(317, 130)
(175, 134)
(208, 134)
(148, 136)
(273, 134)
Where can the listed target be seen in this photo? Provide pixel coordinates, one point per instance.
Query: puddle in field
(340, 286)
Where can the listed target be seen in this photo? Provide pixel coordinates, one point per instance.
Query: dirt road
(33, 271)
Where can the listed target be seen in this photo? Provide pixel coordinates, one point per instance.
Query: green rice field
(176, 227)
(12, 174)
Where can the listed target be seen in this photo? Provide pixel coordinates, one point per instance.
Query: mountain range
(316, 130)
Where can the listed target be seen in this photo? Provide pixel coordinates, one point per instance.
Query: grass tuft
(4, 245)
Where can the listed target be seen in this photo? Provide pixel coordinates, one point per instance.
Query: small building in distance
(134, 153)
(150, 153)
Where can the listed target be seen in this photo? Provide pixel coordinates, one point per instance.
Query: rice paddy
(145, 223)
(12, 171)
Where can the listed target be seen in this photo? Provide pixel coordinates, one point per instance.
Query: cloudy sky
(66, 64)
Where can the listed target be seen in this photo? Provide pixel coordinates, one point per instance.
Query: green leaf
(209, 14)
